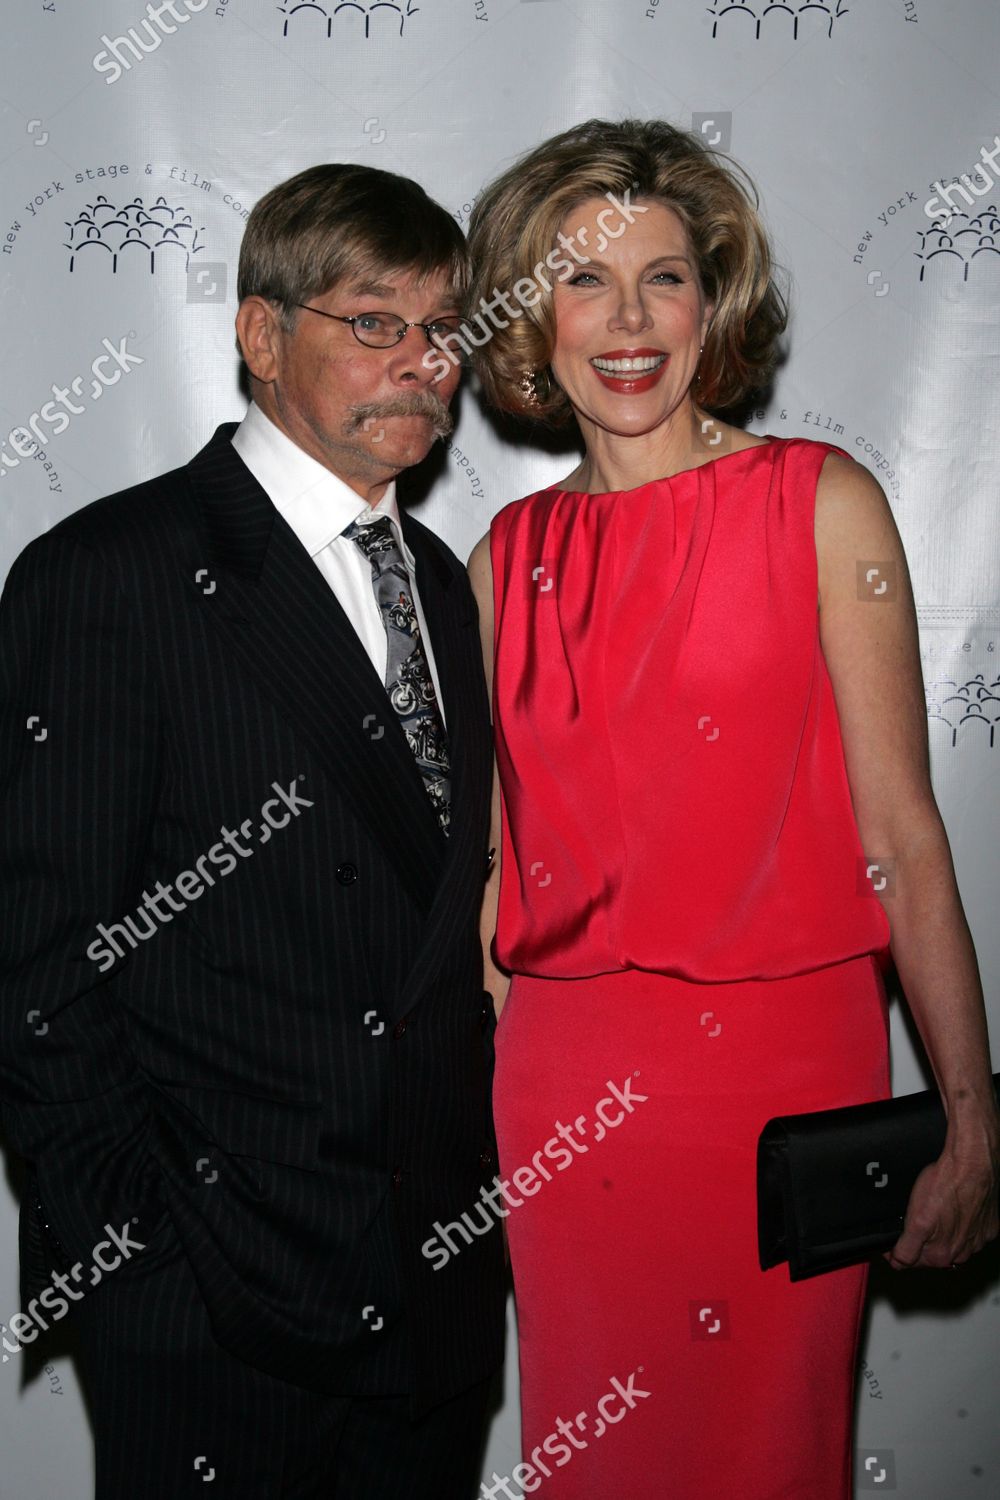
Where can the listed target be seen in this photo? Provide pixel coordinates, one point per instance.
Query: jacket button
(397, 1176)
(347, 873)
(399, 1029)
(484, 1014)
(485, 1159)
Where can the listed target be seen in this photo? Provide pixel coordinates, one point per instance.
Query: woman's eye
(668, 276)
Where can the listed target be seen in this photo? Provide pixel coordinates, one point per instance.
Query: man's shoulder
(150, 505)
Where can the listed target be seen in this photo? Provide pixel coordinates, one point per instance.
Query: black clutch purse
(833, 1184)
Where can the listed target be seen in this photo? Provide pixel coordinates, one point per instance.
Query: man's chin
(400, 452)
(414, 453)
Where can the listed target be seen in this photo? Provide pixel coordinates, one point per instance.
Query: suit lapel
(288, 630)
(451, 623)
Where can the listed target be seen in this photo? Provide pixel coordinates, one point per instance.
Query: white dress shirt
(318, 507)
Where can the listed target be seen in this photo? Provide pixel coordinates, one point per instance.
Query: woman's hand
(953, 1208)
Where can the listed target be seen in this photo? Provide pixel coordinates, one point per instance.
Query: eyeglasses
(382, 330)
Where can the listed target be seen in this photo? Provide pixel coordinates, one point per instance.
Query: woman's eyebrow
(591, 261)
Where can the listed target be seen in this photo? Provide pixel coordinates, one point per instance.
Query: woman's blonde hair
(516, 219)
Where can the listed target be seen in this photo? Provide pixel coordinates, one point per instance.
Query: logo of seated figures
(104, 234)
(376, 18)
(956, 240)
(806, 18)
(964, 713)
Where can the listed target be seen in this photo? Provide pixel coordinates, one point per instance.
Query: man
(245, 1043)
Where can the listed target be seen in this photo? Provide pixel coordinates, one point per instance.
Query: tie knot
(373, 536)
(380, 525)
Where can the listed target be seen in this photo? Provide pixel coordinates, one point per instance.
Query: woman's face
(631, 320)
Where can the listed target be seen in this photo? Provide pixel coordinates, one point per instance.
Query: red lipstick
(630, 382)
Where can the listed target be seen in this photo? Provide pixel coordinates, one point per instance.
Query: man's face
(364, 413)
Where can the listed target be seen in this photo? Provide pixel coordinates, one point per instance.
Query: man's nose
(413, 358)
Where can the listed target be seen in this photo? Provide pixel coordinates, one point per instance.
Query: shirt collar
(315, 502)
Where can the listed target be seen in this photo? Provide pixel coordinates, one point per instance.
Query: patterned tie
(408, 681)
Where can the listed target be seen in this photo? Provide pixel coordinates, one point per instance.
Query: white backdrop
(128, 173)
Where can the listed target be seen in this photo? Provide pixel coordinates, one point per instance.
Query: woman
(710, 731)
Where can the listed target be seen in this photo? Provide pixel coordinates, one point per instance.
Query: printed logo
(104, 234)
(955, 240)
(970, 710)
(391, 15)
(744, 19)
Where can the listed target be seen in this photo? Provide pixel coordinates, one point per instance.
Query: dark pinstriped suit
(313, 1023)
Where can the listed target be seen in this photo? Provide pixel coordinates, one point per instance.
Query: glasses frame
(378, 313)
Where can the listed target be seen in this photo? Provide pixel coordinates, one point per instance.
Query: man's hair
(515, 221)
(341, 222)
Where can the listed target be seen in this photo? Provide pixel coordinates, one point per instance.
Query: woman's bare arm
(870, 643)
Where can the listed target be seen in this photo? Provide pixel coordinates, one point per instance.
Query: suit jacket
(288, 1068)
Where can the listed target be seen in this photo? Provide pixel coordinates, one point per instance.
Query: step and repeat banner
(137, 139)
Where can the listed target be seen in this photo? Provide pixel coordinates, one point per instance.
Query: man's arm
(80, 749)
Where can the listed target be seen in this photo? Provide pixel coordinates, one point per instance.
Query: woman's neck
(614, 461)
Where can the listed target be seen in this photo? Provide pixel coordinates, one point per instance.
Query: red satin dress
(695, 947)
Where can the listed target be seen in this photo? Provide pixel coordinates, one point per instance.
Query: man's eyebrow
(449, 300)
(372, 289)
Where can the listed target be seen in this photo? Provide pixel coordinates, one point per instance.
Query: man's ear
(260, 336)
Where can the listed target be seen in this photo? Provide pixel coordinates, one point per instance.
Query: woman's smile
(629, 372)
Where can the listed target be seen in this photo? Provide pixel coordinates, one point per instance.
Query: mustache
(416, 404)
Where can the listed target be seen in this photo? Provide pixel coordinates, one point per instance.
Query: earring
(535, 386)
(526, 385)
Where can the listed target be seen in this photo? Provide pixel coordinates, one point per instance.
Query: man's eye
(373, 323)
